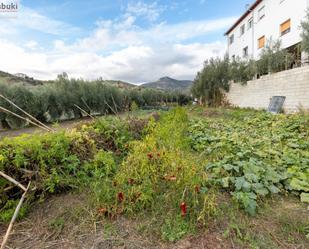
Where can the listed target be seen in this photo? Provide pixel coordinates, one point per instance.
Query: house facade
(267, 20)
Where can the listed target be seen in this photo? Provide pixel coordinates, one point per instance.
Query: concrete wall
(294, 84)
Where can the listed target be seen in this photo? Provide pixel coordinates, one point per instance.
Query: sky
(134, 41)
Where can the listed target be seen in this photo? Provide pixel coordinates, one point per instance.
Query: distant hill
(120, 84)
(23, 79)
(18, 79)
(167, 83)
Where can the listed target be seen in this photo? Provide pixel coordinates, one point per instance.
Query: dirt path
(29, 130)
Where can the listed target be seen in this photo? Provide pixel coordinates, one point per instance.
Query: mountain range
(164, 83)
(167, 83)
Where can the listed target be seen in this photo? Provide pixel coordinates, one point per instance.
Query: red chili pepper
(183, 207)
(102, 210)
(197, 189)
(150, 156)
(131, 181)
(120, 197)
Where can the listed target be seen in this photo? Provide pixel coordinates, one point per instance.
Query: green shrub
(58, 162)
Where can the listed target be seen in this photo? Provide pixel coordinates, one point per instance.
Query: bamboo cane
(6, 236)
(88, 114)
(26, 113)
(86, 105)
(110, 108)
(114, 103)
(12, 180)
(26, 119)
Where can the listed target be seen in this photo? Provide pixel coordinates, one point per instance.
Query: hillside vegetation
(167, 83)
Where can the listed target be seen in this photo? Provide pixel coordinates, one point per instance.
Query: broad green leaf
(304, 197)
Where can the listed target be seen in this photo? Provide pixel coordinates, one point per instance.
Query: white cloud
(111, 35)
(115, 49)
(140, 9)
(27, 18)
(31, 44)
(134, 63)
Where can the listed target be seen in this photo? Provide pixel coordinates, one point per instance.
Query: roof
(250, 9)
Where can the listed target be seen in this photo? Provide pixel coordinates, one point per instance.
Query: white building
(267, 20)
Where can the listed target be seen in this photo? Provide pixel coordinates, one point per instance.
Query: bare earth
(65, 125)
(67, 221)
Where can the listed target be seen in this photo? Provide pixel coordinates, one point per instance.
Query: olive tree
(305, 33)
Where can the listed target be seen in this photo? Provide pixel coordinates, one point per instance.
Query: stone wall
(294, 84)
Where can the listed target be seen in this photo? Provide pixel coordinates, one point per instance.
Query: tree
(305, 33)
(62, 76)
(210, 82)
(274, 59)
(242, 70)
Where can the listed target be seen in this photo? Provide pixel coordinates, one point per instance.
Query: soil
(65, 125)
(66, 222)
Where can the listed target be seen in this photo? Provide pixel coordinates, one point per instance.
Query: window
(261, 42)
(231, 39)
(245, 52)
(285, 27)
(250, 23)
(261, 13)
(242, 29)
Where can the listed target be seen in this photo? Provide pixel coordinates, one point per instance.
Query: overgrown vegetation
(172, 169)
(61, 161)
(254, 157)
(57, 101)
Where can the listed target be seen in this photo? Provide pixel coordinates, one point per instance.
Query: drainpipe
(253, 25)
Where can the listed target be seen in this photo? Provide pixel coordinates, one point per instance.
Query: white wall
(294, 84)
(276, 12)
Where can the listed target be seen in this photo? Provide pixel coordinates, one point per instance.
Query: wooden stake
(88, 114)
(26, 119)
(12, 180)
(6, 236)
(110, 108)
(114, 103)
(86, 105)
(27, 114)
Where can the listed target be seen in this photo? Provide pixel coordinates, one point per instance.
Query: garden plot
(180, 179)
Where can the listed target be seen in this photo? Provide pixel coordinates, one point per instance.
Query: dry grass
(67, 221)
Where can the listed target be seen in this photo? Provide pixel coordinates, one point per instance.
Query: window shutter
(261, 42)
(285, 27)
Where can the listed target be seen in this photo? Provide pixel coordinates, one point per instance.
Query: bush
(58, 162)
